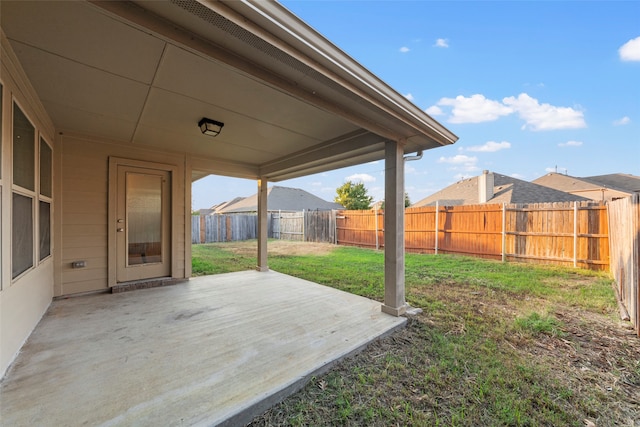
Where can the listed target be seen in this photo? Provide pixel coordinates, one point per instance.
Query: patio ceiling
(144, 73)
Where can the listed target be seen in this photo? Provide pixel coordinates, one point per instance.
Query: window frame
(41, 198)
(32, 194)
(2, 156)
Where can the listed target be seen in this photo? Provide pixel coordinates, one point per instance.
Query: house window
(45, 169)
(45, 230)
(44, 209)
(22, 236)
(23, 150)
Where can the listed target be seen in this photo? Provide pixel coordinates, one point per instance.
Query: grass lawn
(497, 344)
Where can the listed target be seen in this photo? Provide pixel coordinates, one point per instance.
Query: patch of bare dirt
(593, 354)
(281, 247)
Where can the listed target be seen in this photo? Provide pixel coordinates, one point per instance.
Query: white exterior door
(143, 223)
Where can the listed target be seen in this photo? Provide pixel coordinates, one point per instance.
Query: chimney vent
(485, 186)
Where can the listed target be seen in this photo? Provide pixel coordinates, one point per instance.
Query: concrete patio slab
(216, 350)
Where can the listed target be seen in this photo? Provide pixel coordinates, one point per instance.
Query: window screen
(22, 234)
(23, 150)
(45, 168)
(45, 230)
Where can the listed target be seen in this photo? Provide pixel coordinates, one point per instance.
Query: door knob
(120, 230)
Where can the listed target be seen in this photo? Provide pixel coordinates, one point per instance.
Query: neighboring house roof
(618, 181)
(281, 198)
(220, 206)
(143, 73)
(601, 187)
(506, 189)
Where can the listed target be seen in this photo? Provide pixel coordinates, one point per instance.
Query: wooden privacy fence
(624, 237)
(560, 233)
(223, 228)
(308, 226)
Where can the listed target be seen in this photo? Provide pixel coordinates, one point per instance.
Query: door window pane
(45, 168)
(23, 150)
(1, 103)
(22, 234)
(45, 230)
(144, 218)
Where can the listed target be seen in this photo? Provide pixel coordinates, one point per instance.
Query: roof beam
(346, 146)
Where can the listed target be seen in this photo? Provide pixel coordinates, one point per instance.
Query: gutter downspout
(417, 156)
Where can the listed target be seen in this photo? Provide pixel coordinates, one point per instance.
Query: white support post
(394, 285)
(262, 225)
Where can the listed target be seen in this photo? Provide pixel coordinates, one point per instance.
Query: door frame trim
(114, 163)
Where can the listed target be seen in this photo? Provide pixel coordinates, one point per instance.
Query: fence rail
(308, 226)
(559, 233)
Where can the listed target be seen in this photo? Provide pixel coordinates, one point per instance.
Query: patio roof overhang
(144, 73)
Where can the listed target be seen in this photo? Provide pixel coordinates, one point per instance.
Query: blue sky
(528, 87)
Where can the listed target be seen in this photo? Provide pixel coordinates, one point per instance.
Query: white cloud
(623, 121)
(441, 43)
(544, 116)
(474, 109)
(570, 144)
(458, 159)
(460, 162)
(478, 109)
(360, 177)
(630, 51)
(490, 147)
(434, 110)
(409, 97)
(404, 49)
(517, 176)
(316, 184)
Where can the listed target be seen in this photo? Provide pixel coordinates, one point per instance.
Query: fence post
(575, 234)
(437, 226)
(304, 228)
(504, 231)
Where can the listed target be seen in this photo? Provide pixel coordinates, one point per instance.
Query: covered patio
(216, 350)
(103, 106)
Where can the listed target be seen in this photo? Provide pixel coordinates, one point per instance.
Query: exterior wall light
(210, 127)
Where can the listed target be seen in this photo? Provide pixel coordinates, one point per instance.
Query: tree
(353, 196)
(407, 201)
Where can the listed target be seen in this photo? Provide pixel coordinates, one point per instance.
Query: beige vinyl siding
(22, 301)
(84, 210)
